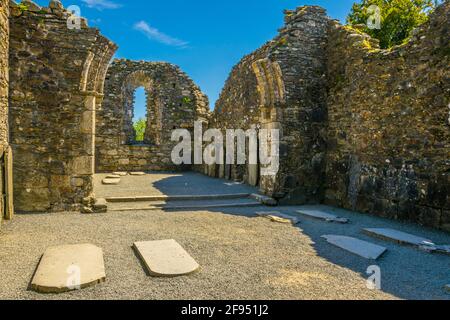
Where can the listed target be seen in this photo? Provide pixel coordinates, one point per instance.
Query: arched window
(139, 114)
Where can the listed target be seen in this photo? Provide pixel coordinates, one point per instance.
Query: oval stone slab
(165, 258)
(69, 267)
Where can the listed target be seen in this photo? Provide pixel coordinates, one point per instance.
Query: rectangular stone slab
(398, 236)
(137, 173)
(57, 270)
(165, 258)
(361, 248)
(319, 214)
(113, 181)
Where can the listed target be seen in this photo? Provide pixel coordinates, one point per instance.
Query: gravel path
(241, 257)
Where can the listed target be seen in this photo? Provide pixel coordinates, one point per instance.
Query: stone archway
(173, 102)
(271, 90)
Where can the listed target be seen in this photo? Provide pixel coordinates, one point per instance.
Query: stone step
(178, 197)
(183, 205)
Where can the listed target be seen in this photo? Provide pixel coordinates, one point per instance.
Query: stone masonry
(4, 45)
(389, 130)
(56, 81)
(361, 128)
(173, 102)
(283, 85)
(4, 87)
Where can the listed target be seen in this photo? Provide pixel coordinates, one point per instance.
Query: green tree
(397, 18)
(139, 127)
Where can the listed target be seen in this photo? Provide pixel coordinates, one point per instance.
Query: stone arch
(272, 92)
(173, 102)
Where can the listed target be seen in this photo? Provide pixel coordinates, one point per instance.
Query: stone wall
(4, 45)
(173, 102)
(56, 81)
(389, 137)
(282, 86)
(4, 84)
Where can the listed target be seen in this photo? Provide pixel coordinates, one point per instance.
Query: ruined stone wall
(4, 47)
(283, 85)
(389, 137)
(173, 102)
(56, 81)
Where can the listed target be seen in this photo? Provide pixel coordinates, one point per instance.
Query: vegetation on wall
(139, 127)
(397, 18)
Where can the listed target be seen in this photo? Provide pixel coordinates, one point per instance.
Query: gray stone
(407, 239)
(165, 258)
(277, 216)
(361, 248)
(100, 205)
(398, 236)
(69, 267)
(120, 173)
(113, 176)
(114, 181)
(137, 173)
(319, 214)
(268, 201)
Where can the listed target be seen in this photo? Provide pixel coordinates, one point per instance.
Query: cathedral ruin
(361, 128)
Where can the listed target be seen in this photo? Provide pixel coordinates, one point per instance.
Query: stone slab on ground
(322, 215)
(359, 247)
(113, 176)
(277, 216)
(398, 236)
(407, 239)
(100, 205)
(137, 173)
(120, 173)
(165, 258)
(113, 181)
(57, 270)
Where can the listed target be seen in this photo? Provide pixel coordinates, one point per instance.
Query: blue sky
(205, 38)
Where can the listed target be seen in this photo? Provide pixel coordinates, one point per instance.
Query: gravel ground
(241, 256)
(156, 183)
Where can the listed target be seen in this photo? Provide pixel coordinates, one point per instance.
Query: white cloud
(155, 34)
(102, 4)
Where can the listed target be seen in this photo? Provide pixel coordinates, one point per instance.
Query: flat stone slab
(361, 248)
(276, 216)
(120, 173)
(165, 258)
(113, 176)
(321, 215)
(69, 267)
(137, 173)
(398, 236)
(109, 181)
(407, 239)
